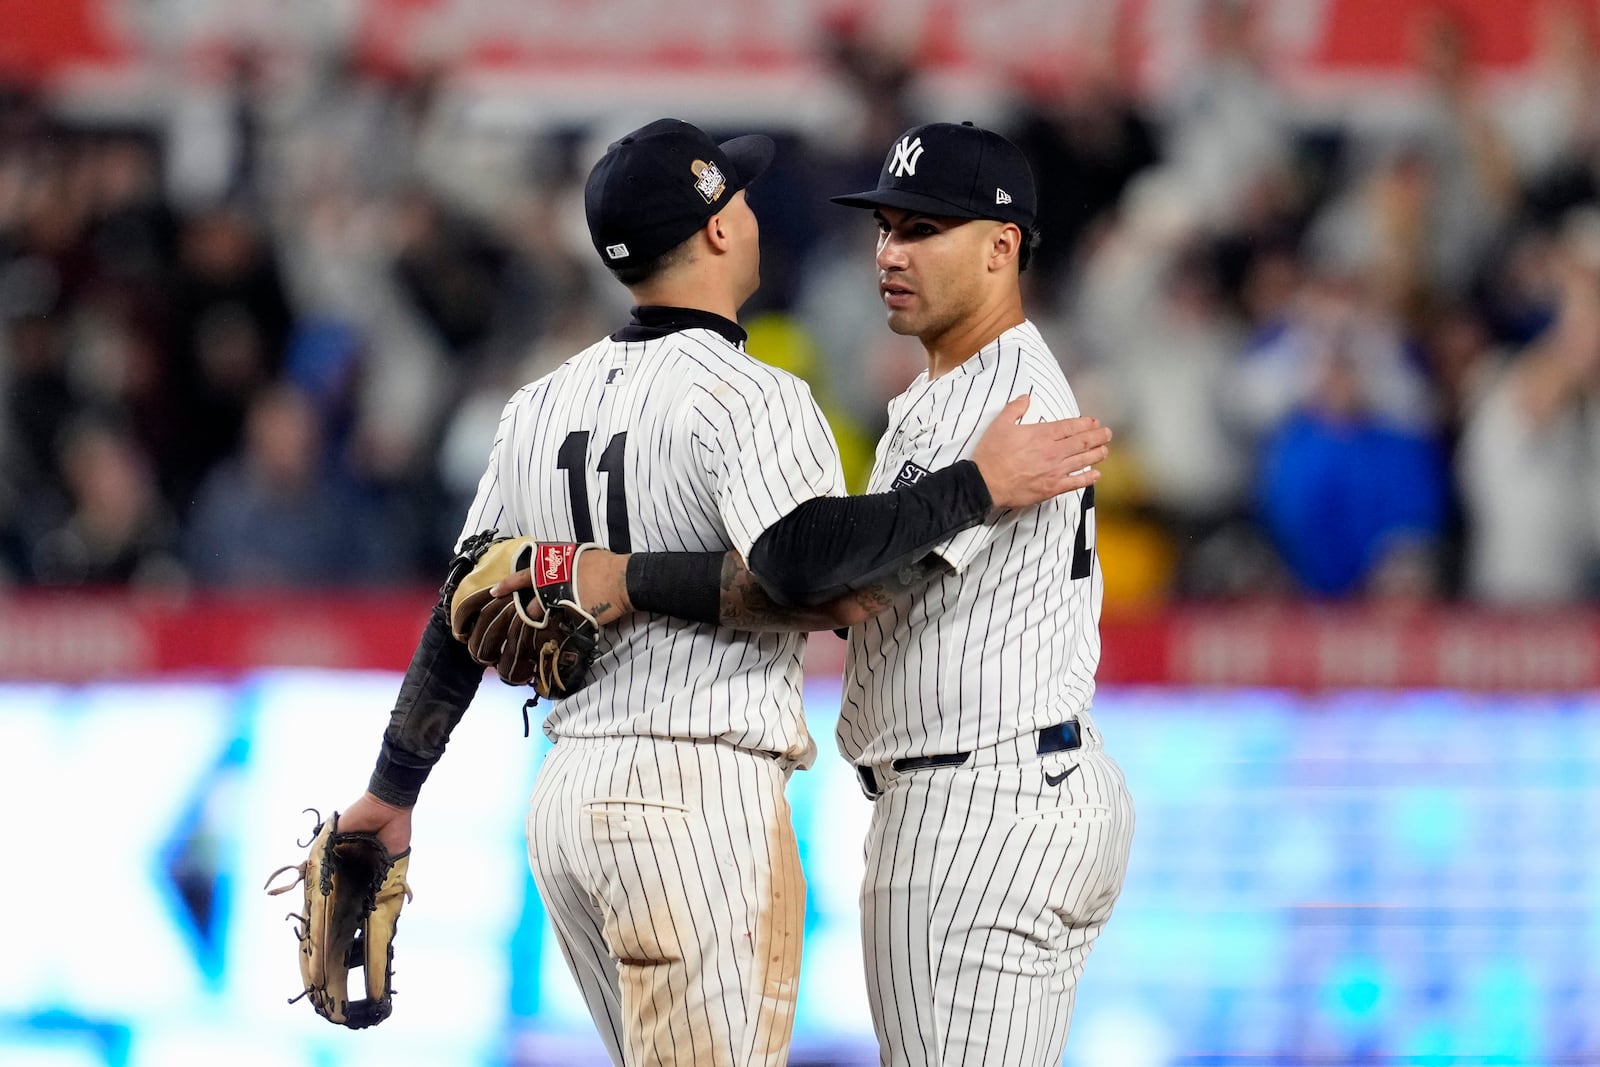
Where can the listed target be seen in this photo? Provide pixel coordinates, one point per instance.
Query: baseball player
(658, 832)
(1000, 827)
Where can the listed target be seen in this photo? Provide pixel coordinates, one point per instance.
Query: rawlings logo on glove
(541, 636)
(555, 562)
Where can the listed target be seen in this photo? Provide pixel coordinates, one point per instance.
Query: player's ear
(1005, 244)
(717, 233)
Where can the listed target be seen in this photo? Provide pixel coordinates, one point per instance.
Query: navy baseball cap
(660, 183)
(958, 170)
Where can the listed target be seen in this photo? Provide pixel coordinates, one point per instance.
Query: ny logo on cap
(906, 154)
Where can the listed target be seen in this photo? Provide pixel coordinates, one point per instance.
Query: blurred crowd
(1347, 355)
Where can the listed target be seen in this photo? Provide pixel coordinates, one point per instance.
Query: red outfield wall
(83, 637)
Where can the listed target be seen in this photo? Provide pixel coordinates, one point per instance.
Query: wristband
(396, 783)
(687, 585)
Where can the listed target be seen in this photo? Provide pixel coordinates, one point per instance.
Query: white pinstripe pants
(672, 877)
(984, 892)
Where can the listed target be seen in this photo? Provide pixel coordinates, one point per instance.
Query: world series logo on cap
(708, 180)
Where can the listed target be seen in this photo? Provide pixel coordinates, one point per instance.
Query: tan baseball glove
(353, 893)
(541, 636)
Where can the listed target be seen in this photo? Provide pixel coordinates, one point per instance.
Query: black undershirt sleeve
(439, 684)
(830, 546)
(826, 547)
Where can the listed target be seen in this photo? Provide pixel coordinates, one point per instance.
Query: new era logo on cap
(1002, 197)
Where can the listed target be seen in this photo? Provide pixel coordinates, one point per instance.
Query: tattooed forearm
(746, 605)
(876, 598)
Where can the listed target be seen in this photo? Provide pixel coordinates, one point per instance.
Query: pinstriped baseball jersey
(681, 442)
(1009, 643)
(988, 879)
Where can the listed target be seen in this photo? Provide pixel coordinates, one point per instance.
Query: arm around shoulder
(837, 561)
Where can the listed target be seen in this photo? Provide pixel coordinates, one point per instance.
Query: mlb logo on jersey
(909, 475)
(907, 436)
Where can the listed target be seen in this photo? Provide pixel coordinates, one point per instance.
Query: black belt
(1062, 737)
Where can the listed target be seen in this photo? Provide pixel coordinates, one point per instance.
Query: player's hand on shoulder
(1026, 463)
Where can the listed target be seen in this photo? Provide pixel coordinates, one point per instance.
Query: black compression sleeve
(829, 546)
(434, 694)
(686, 585)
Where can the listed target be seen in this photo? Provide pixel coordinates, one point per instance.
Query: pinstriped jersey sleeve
(941, 451)
(955, 418)
(488, 510)
(773, 451)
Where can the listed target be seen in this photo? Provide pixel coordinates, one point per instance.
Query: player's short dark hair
(640, 273)
(1030, 244)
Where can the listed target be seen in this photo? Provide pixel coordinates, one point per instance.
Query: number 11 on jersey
(571, 458)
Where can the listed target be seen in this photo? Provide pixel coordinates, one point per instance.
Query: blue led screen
(1356, 877)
